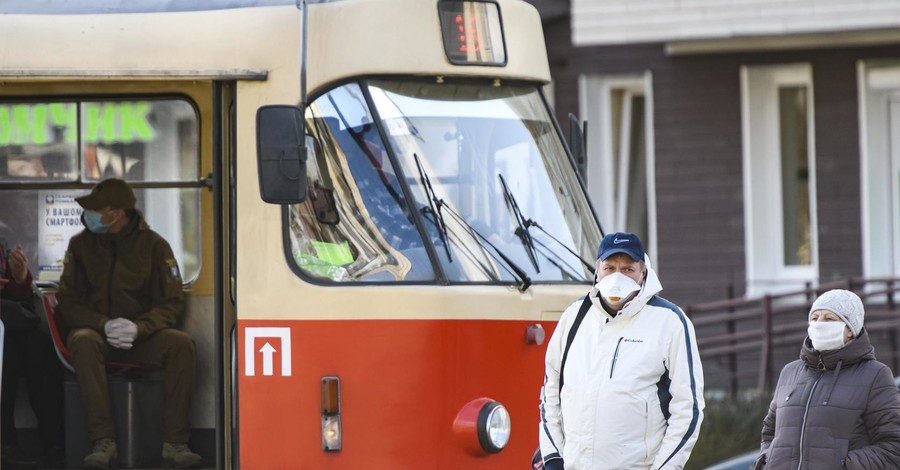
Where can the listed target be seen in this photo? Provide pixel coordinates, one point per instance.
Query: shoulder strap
(582, 311)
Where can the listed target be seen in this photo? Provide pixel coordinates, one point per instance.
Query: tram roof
(81, 7)
(135, 39)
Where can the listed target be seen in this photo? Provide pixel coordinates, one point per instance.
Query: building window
(52, 151)
(620, 173)
(778, 146)
(879, 117)
(793, 130)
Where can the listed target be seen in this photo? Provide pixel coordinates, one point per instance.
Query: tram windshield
(457, 182)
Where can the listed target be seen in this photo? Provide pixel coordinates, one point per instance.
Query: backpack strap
(582, 311)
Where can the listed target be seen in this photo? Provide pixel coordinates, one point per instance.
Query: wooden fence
(744, 343)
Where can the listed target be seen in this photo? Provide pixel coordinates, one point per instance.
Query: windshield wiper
(522, 229)
(524, 280)
(436, 204)
(532, 223)
(525, 223)
(564, 267)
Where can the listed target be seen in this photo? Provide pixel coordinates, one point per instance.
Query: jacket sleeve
(19, 291)
(686, 405)
(768, 428)
(882, 421)
(167, 302)
(74, 294)
(552, 440)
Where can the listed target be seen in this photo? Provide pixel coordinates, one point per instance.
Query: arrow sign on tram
(268, 351)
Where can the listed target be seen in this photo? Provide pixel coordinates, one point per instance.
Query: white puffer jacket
(632, 395)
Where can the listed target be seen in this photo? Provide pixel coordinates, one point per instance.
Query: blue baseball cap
(621, 242)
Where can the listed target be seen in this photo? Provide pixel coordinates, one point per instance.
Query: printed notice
(59, 220)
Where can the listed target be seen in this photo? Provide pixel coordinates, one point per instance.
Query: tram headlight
(482, 426)
(331, 433)
(493, 427)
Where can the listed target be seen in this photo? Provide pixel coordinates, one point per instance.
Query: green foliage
(731, 427)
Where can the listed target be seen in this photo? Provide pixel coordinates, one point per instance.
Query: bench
(136, 395)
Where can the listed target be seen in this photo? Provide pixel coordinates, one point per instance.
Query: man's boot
(104, 455)
(179, 455)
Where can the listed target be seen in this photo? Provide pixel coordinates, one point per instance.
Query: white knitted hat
(844, 304)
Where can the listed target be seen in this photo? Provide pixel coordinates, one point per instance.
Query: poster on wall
(59, 220)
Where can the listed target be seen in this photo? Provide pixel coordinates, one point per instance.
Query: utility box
(137, 406)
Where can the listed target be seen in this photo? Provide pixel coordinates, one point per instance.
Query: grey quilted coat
(833, 410)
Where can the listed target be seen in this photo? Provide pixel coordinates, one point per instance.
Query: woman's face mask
(826, 335)
(93, 221)
(616, 288)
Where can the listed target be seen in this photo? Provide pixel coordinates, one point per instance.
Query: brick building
(755, 144)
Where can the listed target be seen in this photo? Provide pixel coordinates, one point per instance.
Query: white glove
(120, 332)
(118, 344)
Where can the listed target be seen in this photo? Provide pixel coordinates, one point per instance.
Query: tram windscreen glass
(493, 157)
(436, 183)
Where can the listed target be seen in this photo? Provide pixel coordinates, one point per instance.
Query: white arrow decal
(268, 351)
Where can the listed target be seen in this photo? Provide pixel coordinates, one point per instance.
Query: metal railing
(747, 340)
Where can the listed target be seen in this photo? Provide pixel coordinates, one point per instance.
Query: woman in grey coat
(836, 407)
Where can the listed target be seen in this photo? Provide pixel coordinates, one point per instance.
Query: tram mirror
(578, 144)
(281, 154)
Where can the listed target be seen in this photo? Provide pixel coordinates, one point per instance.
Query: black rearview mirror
(281, 154)
(578, 144)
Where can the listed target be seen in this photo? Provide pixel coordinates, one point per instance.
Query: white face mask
(826, 335)
(616, 288)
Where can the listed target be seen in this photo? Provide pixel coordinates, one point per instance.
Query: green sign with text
(102, 123)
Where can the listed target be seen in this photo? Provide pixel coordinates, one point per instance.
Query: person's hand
(127, 331)
(18, 264)
(117, 343)
(120, 333)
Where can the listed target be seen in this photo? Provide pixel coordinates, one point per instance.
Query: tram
(377, 218)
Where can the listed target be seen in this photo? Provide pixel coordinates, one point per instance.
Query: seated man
(29, 354)
(120, 293)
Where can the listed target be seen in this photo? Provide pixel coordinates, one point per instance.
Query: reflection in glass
(792, 103)
(139, 141)
(38, 141)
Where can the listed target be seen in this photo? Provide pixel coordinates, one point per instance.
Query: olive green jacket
(131, 274)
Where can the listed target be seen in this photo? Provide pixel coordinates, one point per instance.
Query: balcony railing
(744, 343)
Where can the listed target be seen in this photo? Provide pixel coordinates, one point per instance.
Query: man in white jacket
(630, 392)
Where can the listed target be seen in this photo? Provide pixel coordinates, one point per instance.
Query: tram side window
(54, 151)
(355, 224)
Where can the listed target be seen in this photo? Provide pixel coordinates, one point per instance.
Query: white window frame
(608, 191)
(879, 84)
(766, 271)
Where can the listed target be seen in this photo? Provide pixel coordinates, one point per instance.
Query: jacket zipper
(805, 414)
(615, 356)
